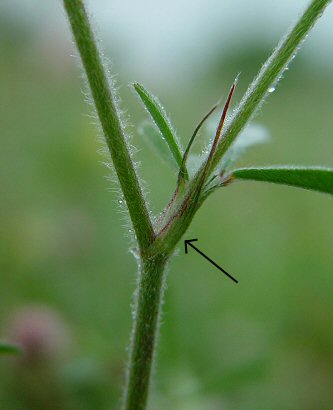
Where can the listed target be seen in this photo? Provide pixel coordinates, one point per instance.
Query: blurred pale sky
(150, 36)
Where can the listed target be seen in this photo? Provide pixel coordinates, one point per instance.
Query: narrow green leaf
(314, 178)
(152, 137)
(253, 134)
(162, 121)
(8, 348)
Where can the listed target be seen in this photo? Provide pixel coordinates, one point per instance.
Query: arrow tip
(187, 242)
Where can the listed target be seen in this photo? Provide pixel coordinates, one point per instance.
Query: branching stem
(155, 249)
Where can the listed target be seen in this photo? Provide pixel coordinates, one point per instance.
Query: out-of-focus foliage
(8, 348)
(266, 343)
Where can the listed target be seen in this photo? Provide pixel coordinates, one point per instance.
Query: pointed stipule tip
(234, 84)
(237, 78)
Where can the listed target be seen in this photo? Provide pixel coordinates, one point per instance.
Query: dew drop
(271, 89)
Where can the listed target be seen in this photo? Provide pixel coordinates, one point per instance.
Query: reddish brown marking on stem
(222, 119)
(177, 214)
(217, 135)
(183, 165)
(228, 180)
(208, 162)
(172, 199)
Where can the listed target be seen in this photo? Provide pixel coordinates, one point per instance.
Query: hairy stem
(152, 272)
(157, 248)
(146, 320)
(268, 76)
(105, 103)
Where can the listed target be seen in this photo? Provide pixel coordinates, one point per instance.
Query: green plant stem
(104, 100)
(157, 248)
(152, 267)
(268, 76)
(146, 322)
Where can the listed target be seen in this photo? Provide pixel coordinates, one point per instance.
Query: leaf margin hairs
(162, 121)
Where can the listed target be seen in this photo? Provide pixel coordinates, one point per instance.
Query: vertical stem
(150, 295)
(105, 102)
(145, 331)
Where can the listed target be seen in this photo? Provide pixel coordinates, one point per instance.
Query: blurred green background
(67, 276)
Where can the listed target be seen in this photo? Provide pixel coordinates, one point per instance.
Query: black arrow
(188, 242)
